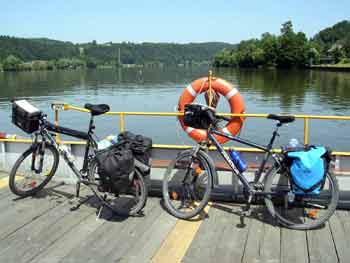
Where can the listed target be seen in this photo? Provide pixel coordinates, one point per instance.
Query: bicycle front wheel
(187, 184)
(33, 170)
(301, 212)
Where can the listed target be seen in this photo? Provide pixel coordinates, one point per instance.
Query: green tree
(63, 63)
(11, 63)
(293, 47)
(91, 62)
(313, 55)
(336, 34)
(269, 43)
(346, 47)
(250, 54)
(337, 54)
(225, 58)
(286, 50)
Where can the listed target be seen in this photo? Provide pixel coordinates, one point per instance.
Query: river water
(158, 89)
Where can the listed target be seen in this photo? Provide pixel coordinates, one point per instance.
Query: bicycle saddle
(281, 118)
(97, 109)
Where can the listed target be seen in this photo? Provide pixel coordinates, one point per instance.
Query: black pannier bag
(115, 166)
(196, 116)
(25, 116)
(141, 147)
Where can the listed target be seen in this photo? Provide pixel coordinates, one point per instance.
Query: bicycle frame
(47, 127)
(267, 149)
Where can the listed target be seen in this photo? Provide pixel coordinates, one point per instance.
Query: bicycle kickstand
(77, 201)
(246, 209)
(77, 189)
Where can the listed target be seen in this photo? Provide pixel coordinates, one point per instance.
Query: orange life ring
(222, 87)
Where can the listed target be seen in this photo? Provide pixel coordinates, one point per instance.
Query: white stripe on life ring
(189, 130)
(231, 93)
(225, 130)
(191, 90)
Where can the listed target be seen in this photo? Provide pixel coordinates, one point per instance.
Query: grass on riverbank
(343, 66)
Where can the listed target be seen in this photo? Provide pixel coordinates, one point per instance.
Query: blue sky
(165, 21)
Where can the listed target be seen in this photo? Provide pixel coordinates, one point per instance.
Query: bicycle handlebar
(215, 119)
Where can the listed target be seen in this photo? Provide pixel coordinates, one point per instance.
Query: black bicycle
(37, 165)
(189, 179)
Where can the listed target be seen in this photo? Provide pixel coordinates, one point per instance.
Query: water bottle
(237, 160)
(290, 197)
(106, 142)
(293, 143)
(113, 139)
(103, 144)
(65, 149)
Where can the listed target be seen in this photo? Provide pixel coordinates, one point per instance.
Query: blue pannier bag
(308, 169)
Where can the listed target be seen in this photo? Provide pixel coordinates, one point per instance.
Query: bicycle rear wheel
(187, 184)
(129, 200)
(301, 212)
(25, 177)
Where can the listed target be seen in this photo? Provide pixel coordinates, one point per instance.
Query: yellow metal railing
(123, 114)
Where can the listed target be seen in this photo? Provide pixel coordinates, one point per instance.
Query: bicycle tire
(302, 213)
(117, 203)
(23, 178)
(207, 169)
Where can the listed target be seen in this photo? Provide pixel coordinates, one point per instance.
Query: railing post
(306, 130)
(121, 122)
(58, 139)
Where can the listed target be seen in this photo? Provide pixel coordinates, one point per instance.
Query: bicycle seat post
(274, 135)
(91, 125)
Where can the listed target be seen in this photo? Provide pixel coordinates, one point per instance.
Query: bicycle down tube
(227, 158)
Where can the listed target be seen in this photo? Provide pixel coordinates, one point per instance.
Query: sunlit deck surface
(44, 229)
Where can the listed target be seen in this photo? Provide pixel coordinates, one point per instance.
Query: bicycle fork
(39, 150)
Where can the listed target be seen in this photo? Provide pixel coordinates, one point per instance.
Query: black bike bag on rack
(25, 116)
(115, 166)
(141, 147)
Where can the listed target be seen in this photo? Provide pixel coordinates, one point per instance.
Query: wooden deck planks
(114, 237)
(143, 247)
(38, 234)
(16, 213)
(321, 246)
(294, 247)
(73, 238)
(340, 229)
(252, 248)
(270, 248)
(216, 236)
(230, 246)
(44, 230)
